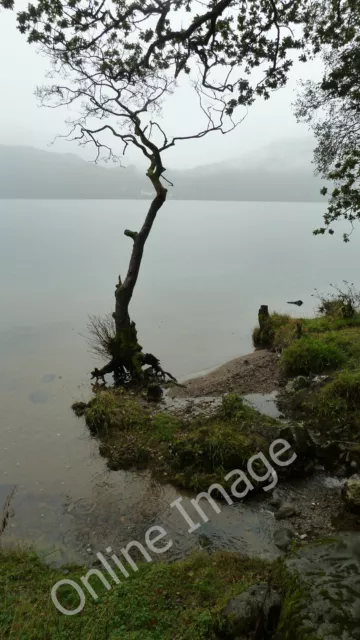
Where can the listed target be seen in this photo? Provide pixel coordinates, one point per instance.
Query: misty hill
(281, 172)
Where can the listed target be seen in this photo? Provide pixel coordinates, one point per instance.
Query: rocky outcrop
(255, 610)
(321, 585)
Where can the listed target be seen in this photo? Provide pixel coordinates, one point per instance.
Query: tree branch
(131, 234)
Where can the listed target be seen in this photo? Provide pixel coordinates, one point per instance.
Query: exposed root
(126, 374)
(6, 511)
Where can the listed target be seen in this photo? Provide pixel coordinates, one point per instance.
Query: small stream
(124, 505)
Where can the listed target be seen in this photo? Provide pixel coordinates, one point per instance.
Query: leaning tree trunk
(124, 291)
(127, 358)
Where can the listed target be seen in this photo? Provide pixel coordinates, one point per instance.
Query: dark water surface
(207, 269)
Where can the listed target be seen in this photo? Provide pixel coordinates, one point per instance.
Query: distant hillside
(278, 173)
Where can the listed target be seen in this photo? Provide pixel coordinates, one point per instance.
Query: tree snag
(265, 334)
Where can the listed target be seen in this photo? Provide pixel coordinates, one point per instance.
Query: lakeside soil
(257, 372)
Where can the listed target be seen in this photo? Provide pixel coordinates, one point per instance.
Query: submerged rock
(351, 495)
(283, 538)
(322, 591)
(40, 397)
(49, 377)
(243, 613)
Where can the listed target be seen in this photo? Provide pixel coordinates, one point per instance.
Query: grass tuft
(150, 605)
(101, 411)
(339, 398)
(311, 355)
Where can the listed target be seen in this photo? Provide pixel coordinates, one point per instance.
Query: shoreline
(193, 450)
(257, 372)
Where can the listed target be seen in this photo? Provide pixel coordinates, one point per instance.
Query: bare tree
(127, 110)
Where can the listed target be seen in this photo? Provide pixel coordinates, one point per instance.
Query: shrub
(343, 393)
(232, 405)
(311, 355)
(342, 302)
(330, 323)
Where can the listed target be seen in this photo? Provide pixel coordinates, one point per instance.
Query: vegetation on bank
(160, 602)
(195, 452)
(327, 345)
(192, 453)
(185, 600)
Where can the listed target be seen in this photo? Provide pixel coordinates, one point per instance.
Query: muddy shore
(257, 372)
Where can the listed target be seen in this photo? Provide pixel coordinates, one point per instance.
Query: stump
(264, 336)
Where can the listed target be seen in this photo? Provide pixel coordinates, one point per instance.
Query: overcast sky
(23, 122)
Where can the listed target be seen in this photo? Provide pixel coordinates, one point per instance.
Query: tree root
(124, 374)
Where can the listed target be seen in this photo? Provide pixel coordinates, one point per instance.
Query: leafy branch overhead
(332, 109)
(133, 40)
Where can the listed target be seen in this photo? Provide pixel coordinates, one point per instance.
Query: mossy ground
(161, 602)
(329, 345)
(192, 454)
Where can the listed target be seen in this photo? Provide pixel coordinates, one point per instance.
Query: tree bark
(124, 292)
(126, 357)
(264, 317)
(266, 332)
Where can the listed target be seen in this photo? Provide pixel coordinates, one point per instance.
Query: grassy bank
(329, 345)
(182, 600)
(192, 454)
